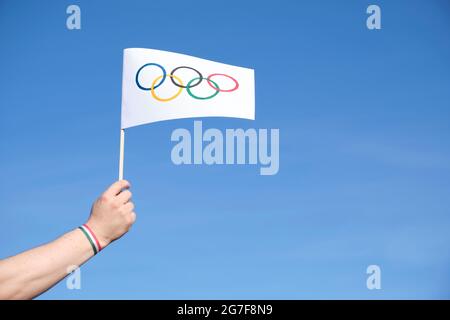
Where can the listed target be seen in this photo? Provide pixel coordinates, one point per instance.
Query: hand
(112, 213)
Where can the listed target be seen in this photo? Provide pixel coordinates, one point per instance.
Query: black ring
(185, 67)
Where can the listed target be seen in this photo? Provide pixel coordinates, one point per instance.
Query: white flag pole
(122, 146)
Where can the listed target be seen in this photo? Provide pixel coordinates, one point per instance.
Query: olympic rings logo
(176, 81)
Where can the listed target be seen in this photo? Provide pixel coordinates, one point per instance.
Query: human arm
(30, 273)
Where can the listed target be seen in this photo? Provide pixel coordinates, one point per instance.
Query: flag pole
(122, 146)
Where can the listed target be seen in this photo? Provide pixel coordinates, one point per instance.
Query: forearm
(32, 272)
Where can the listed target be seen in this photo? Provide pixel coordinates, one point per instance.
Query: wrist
(99, 240)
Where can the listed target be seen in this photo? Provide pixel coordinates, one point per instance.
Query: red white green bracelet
(91, 237)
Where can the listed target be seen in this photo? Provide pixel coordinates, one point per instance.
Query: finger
(133, 217)
(128, 207)
(124, 197)
(117, 187)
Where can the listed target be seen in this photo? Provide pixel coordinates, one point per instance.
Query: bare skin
(32, 272)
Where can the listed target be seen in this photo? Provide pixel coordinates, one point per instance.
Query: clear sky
(364, 148)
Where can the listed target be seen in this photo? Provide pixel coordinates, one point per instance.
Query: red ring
(225, 75)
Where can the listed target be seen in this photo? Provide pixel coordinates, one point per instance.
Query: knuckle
(104, 198)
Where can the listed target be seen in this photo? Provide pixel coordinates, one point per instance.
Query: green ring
(188, 88)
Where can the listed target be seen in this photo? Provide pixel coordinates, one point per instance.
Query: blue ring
(160, 82)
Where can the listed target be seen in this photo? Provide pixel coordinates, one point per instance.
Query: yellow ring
(152, 90)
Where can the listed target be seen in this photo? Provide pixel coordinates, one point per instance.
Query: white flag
(160, 85)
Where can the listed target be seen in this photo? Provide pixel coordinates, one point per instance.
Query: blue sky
(364, 155)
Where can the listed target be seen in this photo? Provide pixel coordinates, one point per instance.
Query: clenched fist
(112, 214)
